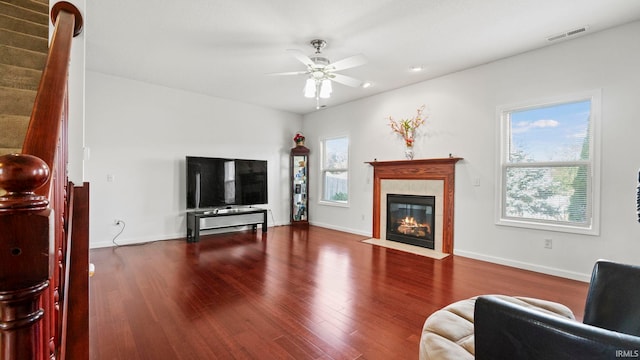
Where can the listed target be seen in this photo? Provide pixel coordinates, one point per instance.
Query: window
(335, 171)
(548, 175)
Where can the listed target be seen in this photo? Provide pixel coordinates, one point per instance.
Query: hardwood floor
(287, 294)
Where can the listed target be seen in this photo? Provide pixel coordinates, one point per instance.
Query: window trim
(322, 171)
(593, 191)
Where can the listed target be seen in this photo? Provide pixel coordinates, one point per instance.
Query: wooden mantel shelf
(420, 169)
(418, 162)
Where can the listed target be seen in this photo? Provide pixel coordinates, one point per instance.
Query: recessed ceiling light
(366, 85)
(416, 68)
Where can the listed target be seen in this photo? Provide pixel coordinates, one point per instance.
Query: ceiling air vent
(567, 34)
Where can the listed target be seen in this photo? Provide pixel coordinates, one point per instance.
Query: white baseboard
(182, 235)
(525, 266)
(339, 228)
(135, 241)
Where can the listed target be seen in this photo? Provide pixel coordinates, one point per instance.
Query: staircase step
(6, 151)
(24, 32)
(21, 57)
(19, 77)
(23, 26)
(22, 13)
(16, 101)
(41, 7)
(23, 41)
(14, 129)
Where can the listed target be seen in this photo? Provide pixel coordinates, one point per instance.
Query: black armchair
(611, 327)
(613, 300)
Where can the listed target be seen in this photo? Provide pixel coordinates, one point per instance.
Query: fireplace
(411, 219)
(431, 177)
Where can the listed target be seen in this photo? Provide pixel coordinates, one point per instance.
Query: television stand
(222, 218)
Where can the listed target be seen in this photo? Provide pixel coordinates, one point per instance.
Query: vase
(300, 143)
(408, 152)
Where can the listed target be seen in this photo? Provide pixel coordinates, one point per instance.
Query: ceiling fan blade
(348, 63)
(301, 57)
(289, 73)
(345, 80)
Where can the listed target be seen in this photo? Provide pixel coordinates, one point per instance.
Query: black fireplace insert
(411, 219)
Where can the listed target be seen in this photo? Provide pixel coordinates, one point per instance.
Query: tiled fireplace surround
(435, 177)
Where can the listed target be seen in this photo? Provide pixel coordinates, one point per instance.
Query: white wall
(462, 121)
(140, 133)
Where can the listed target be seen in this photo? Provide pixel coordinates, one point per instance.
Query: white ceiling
(225, 48)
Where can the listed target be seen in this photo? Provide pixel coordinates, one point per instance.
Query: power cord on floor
(272, 217)
(119, 222)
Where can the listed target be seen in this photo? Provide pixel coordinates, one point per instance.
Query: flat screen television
(221, 182)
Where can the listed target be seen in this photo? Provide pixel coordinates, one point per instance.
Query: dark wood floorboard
(288, 294)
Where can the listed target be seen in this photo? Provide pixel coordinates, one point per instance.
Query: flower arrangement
(407, 127)
(299, 139)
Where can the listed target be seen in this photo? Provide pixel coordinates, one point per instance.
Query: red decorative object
(299, 139)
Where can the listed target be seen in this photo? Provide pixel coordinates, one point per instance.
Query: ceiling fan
(321, 72)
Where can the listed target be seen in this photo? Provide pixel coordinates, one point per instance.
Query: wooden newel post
(25, 256)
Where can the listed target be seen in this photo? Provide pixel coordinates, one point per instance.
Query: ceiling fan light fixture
(318, 44)
(321, 72)
(310, 88)
(325, 89)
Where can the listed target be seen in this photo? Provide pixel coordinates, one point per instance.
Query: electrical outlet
(548, 243)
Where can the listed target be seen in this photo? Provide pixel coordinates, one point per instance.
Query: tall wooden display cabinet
(299, 185)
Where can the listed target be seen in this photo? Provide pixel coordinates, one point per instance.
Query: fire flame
(409, 226)
(409, 221)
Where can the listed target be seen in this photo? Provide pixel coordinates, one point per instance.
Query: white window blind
(547, 164)
(335, 171)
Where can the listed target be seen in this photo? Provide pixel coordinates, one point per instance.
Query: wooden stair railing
(43, 261)
(43, 132)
